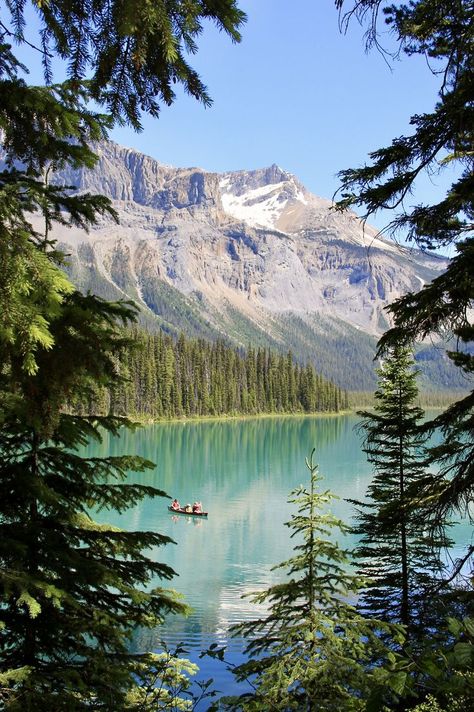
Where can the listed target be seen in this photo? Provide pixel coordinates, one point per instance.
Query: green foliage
(164, 682)
(40, 126)
(132, 52)
(441, 141)
(440, 31)
(31, 292)
(399, 557)
(444, 304)
(174, 378)
(72, 590)
(311, 650)
(437, 679)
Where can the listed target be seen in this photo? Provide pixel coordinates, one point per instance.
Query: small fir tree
(398, 555)
(311, 650)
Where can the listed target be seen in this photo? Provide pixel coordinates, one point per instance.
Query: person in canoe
(188, 509)
(175, 504)
(197, 507)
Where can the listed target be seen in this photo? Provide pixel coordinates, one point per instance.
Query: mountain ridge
(249, 255)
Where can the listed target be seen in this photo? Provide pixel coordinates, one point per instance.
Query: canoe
(188, 514)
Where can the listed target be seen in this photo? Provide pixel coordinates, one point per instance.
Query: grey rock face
(241, 182)
(125, 175)
(251, 247)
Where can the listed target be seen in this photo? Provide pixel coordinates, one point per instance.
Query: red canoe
(189, 514)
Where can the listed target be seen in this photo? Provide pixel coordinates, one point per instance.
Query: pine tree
(72, 590)
(399, 557)
(311, 650)
(291, 379)
(448, 487)
(39, 125)
(133, 53)
(441, 140)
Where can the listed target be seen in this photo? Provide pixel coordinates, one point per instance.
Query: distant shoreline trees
(175, 378)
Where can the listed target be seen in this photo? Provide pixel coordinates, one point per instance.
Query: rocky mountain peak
(240, 182)
(249, 255)
(126, 175)
(261, 197)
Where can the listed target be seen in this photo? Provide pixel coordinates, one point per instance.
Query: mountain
(249, 255)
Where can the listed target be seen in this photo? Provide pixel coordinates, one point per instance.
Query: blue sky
(295, 92)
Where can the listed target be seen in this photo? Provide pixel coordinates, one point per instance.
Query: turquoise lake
(242, 471)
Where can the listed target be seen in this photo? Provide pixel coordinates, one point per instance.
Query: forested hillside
(191, 264)
(174, 378)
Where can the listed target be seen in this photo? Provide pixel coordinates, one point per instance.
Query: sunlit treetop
(133, 52)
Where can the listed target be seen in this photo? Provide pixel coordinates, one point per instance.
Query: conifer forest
(175, 378)
(385, 626)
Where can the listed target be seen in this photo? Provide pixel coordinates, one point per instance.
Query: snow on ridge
(264, 206)
(260, 214)
(260, 207)
(371, 241)
(300, 197)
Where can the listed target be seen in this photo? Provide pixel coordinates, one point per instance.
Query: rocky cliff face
(250, 254)
(127, 176)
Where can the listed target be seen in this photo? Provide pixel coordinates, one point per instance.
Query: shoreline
(142, 420)
(244, 416)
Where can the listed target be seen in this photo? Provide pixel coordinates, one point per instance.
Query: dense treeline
(173, 378)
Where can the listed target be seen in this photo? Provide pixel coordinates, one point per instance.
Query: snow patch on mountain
(262, 206)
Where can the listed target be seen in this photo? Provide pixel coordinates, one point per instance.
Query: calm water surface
(242, 471)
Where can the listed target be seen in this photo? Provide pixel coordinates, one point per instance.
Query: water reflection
(242, 471)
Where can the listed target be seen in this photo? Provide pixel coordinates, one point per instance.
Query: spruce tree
(445, 304)
(72, 590)
(133, 53)
(398, 555)
(439, 141)
(311, 650)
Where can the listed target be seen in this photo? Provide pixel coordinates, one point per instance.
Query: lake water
(242, 471)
